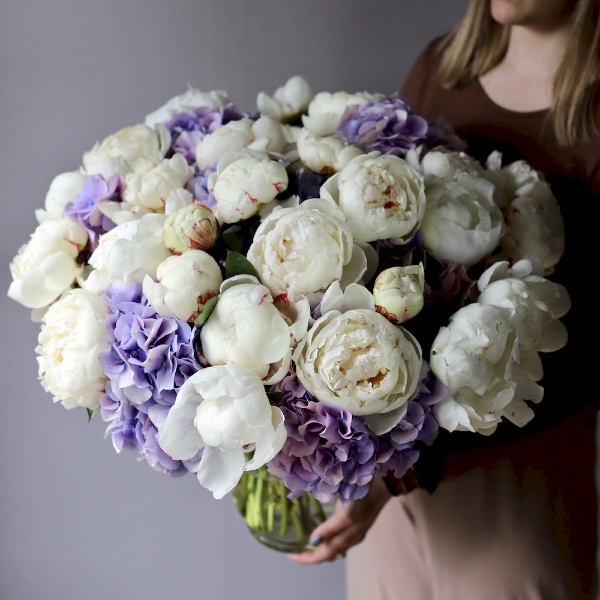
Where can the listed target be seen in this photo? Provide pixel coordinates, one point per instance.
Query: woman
(515, 515)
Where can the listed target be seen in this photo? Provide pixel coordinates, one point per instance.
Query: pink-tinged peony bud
(193, 227)
(398, 292)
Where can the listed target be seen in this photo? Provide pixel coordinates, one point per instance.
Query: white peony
(536, 303)
(247, 329)
(232, 136)
(127, 150)
(64, 188)
(462, 224)
(269, 135)
(128, 253)
(535, 227)
(189, 101)
(327, 154)
(534, 224)
(302, 250)
(326, 109)
(288, 101)
(443, 163)
(150, 189)
(477, 358)
(225, 412)
(184, 284)
(45, 267)
(245, 180)
(72, 336)
(381, 195)
(359, 361)
(515, 179)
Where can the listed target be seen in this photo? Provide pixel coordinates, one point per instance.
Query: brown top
(574, 174)
(487, 126)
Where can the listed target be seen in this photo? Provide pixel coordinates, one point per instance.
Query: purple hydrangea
(188, 128)
(334, 455)
(199, 188)
(441, 133)
(453, 284)
(148, 360)
(418, 425)
(86, 206)
(307, 183)
(390, 126)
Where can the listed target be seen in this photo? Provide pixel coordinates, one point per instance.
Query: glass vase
(272, 518)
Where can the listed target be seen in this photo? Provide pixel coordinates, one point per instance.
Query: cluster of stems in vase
(263, 501)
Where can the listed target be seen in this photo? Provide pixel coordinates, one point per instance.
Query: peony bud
(193, 227)
(398, 292)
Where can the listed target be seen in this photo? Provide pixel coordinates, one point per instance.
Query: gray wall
(78, 521)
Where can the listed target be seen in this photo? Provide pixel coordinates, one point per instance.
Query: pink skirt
(524, 528)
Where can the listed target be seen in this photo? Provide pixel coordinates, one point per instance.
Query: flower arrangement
(307, 292)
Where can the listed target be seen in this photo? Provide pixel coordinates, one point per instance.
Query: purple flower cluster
(390, 126)
(441, 133)
(148, 360)
(418, 425)
(307, 183)
(200, 189)
(334, 455)
(188, 128)
(86, 206)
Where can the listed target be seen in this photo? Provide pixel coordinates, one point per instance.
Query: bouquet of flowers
(290, 302)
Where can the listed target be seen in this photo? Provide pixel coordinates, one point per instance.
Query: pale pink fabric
(522, 529)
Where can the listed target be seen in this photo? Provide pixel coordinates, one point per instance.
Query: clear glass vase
(272, 518)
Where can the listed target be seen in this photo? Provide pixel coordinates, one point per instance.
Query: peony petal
(518, 412)
(220, 471)
(269, 441)
(178, 436)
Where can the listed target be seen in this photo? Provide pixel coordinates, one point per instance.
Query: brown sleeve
(413, 83)
(420, 75)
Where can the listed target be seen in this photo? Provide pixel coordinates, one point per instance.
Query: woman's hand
(346, 527)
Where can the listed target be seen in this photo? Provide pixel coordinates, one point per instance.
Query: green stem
(258, 503)
(317, 508)
(262, 499)
(285, 505)
(297, 519)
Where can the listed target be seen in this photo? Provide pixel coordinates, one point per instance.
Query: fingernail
(315, 541)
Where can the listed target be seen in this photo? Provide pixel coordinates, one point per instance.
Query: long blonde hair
(478, 43)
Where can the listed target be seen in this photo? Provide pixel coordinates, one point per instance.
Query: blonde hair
(478, 43)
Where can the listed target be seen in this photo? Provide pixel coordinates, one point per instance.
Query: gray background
(78, 521)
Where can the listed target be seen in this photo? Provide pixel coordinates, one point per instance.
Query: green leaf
(232, 237)
(208, 308)
(238, 264)
(295, 119)
(91, 413)
(274, 397)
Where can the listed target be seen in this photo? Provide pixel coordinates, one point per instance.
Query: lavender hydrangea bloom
(418, 425)
(307, 183)
(188, 128)
(390, 126)
(334, 455)
(148, 360)
(86, 206)
(441, 133)
(199, 187)
(133, 430)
